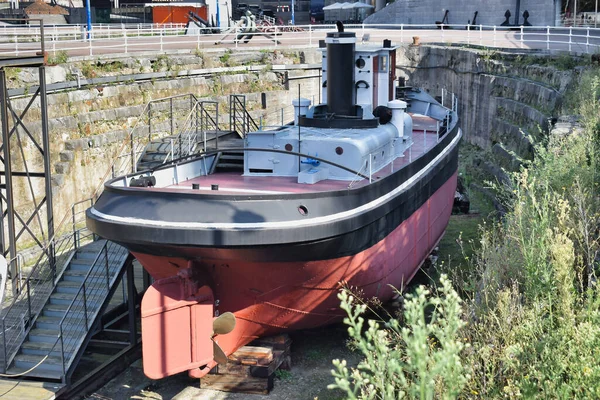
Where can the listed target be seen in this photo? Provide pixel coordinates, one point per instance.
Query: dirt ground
(312, 352)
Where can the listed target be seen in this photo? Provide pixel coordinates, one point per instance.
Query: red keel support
(176, 327)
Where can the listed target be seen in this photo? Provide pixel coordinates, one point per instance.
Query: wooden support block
(252, 355)
(232, 383)
(279, 342)
(251, 368)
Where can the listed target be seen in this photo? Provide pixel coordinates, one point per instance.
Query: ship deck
(235, 183)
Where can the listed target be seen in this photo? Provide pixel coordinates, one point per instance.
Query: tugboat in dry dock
(350, 192)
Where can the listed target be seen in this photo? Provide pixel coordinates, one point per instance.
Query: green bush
(418, 360)
(59, 57)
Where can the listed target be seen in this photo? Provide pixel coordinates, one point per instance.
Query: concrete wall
(490, 12)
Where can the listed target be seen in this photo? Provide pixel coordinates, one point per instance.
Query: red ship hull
(272, 297)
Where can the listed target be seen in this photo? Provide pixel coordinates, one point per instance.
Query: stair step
(92, 251)
(47, 322)
(79, 274)
(81, 263)
(92, 296)
(40, 372)
(68, 286)
(43, 335)
(26, 361)
(42, 349)
(58, 310)
(237, 157)
(230, 165)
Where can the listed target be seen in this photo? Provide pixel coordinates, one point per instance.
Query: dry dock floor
(312, 352)
(21, 390)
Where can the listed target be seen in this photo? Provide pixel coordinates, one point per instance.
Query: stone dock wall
(505, 100)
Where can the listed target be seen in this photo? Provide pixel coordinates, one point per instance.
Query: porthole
(303, 210)
(289, 147)
(339, 151)
(360, 63)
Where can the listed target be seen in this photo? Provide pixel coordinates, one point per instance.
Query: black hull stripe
(350, 243)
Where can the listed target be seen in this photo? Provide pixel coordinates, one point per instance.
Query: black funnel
(341, 96)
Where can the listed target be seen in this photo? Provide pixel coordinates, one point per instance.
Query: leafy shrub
(59, 57)
(419, 360)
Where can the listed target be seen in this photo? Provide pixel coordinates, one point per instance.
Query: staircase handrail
(91, 288)
(37, 279)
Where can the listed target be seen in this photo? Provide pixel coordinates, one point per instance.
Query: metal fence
(111, 39)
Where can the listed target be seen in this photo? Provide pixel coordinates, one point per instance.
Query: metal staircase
(200, 132)
(56, 336)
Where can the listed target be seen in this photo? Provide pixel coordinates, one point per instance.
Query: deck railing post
(494, 36)
(171, 114)
(172, 150)
(480, 34)
(370, 167)
(547, 37)
(401, 33)
(424, 140)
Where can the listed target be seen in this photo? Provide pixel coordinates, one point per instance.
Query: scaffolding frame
(14, 132)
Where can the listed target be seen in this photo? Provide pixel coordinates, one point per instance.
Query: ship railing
(122, 181)
(207, 110)
(83, 309)
(133, 147)
(368, 167)
(33, 292)
(185, 142)
(265, 122)
(240, 119)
